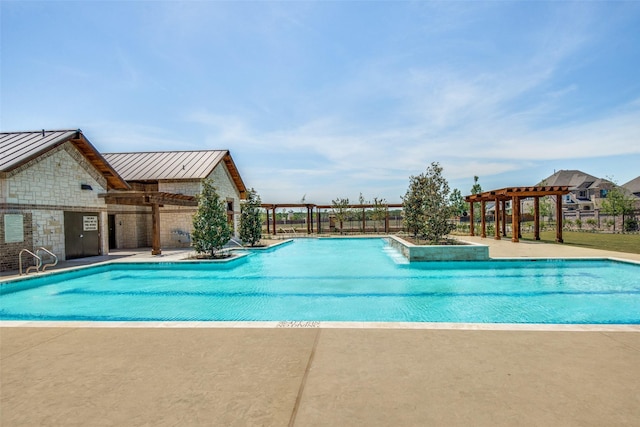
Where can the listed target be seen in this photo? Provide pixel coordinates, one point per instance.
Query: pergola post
(274, 220)
(472, 231)
(536, 218)
(483, 220)
(155, 227)
(268, 228)
(503, 209)
(386, 221)
(364, 221)
(497, 219)
(319, 218)
(559, 218)
(515, 219)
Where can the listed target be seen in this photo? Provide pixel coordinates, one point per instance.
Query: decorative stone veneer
(133, 224)
(176, 222)
(44, 188)
(464, 252)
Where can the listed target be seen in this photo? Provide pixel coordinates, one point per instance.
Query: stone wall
(134, 224)
(463, 252)
(44, 188)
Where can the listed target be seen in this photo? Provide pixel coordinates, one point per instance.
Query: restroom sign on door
(89, 223)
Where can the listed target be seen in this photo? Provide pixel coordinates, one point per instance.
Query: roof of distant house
(633, 185)
(574, 179)
(18, 148)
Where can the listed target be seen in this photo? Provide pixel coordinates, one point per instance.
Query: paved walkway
(77, 376)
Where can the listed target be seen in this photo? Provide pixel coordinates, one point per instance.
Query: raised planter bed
(465, 251)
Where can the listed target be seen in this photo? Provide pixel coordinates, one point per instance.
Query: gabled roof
(633, 185)
(18, 148)
(574, 179)
(164, 165)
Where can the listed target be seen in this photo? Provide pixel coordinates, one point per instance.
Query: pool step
(395, 255)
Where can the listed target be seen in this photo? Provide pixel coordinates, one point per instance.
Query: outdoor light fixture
(85, 187)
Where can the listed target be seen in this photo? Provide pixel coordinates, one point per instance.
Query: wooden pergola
(271, 219)
(272, 207)
(155, 199)
(516, 194)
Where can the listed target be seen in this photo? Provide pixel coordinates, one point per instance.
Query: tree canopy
(426, 205)
(211, 230)
(250, 222)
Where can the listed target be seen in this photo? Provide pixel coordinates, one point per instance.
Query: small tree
(210, 227)
(379, 212)
(617, 202)
(476, 188)
(250, 223)
(427, 208)
(341, 210)
(544, 207)
(457, 202)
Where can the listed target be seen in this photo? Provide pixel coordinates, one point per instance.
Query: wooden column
(319, 218)
(364, 221)
(274, 220)
(268, 228)
(497, 220)
(386, 222)
(155, 227)
(536, 218)
(308, 221)
(515, 219)
(472, 231)
(503, 208)
(559, 218)
(483, 220)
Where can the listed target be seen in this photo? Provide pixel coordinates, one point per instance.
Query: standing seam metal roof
(149, 166)
(17, 148)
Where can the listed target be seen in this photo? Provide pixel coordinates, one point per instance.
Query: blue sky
(333, 99)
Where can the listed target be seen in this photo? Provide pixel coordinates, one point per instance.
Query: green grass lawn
(611, 242)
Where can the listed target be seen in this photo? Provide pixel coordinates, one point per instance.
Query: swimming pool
(360, 280)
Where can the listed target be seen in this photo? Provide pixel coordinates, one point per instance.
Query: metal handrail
(50, 264)
(37, 266)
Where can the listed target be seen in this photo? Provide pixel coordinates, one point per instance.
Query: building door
(112, 232)
(81, 234)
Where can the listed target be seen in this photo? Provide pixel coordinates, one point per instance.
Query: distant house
(50, 183)
(633, 187)
(171, 172)
(587, 191)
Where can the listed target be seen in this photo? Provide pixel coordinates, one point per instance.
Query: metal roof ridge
(168, 151)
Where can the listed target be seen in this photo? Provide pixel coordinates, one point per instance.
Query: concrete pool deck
(322, 376)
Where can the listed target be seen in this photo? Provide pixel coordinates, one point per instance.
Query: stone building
(50, 183)
(178, 173)
(59, 193)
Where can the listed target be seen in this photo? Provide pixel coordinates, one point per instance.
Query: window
(603, 193)
(230, 212)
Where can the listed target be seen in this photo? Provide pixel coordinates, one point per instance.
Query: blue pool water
(335, 280)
